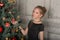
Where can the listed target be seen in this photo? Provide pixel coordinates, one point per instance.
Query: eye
(36, 12)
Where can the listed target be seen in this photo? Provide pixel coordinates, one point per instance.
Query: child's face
(37, 13)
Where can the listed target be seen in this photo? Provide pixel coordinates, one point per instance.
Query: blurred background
(51, 19)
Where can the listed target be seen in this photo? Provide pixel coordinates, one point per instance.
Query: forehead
(37, 9)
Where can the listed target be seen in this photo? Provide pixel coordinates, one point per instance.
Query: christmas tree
(9, 21)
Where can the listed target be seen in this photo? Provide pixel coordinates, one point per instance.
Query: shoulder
(42, 25)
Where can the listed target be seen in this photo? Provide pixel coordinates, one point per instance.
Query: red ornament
(13, 20)
(14, 38)
(1, 4)
(1, 29)
(7, 24)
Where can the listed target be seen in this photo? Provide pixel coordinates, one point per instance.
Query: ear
(41, 15)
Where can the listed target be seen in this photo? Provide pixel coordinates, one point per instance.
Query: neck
(37, 20)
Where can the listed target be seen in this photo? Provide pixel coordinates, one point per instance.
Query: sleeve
(41, 28)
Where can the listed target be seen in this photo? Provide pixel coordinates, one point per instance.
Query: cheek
(35, 15)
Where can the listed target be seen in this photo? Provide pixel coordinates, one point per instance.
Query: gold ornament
(16, 29)
(18, 17)
(11, 1)
(10, 12)
(3, 18)
(6, 38)
(22, 38)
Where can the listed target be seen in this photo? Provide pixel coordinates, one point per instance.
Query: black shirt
(33, 30)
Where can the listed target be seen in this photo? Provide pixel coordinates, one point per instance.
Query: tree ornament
(11, 1)
(14, 38)
(22, 38)
(10, 12)
(1, 29)
(16, 30)
(1, 4)
(7, 24)
(13, 21)
(6, 38)
(3, 18)
(18, 17)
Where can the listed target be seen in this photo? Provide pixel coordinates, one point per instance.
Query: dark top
(33, 30)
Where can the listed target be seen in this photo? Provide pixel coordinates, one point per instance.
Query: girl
(35, 29)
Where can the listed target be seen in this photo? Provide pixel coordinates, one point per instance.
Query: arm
(24, 32)
(41, 35)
